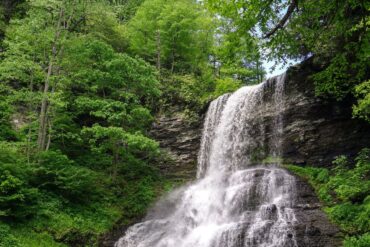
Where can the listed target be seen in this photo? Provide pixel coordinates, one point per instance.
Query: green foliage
(139, 195)
(176, 35)
(193, 93)
(361, 241)
(102, 23)
(362, 109)
(55, 173)
(127, 10)
(6, 238)
(237, 54)
(97, 167)
(6, 131)
(345, 192)
(17, 199)
(113, 138)
(29, 238)
(226, 85)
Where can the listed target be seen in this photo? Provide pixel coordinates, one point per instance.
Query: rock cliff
(316, 130)
(179, 139)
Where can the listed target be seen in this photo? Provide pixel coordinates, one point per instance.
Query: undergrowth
(345, 193)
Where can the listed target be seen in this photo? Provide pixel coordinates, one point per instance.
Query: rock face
(314, 228)
(179, 138)
(316, 130)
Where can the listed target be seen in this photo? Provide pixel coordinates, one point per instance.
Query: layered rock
(179, 139)
(314, 228)
(316, 130)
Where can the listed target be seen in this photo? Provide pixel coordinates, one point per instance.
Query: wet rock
(313, 228)
(316, 130)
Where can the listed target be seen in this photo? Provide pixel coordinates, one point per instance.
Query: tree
(238, 55)
(121, 144)
(175, 35)
(74, 115)
(38, 58)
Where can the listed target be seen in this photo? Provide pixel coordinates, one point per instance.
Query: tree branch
(292, 6)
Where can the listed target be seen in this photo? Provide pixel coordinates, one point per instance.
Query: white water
(233, 203)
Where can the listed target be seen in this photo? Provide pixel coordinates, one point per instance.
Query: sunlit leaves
(362, 109)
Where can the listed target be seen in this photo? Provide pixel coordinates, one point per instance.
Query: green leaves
(94, 67)
(115, 137)
(362, 108)
(98, 106)
(17, 198)
(175, 35)
(57, 174)
(6, 238)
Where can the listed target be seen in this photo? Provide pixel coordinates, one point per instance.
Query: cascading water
(233, 202)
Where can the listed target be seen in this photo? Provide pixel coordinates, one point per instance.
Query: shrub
(57, 174)
(6, 238)
(18, 199)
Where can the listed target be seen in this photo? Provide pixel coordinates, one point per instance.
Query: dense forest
(82, 82)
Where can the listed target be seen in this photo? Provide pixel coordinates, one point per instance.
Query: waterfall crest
(234, 202)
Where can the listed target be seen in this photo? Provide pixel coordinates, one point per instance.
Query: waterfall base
(254, 207)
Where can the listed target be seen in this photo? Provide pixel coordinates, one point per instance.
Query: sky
(279, 69)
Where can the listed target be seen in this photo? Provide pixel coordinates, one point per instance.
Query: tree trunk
(30, 109)
(173, 62)
(115, 151)
(258, 71)
(43, 119)
(49, 135)
(173, 57)
(292, 6)
(158, 39)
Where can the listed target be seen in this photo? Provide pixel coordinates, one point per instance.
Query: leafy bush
(57, 174)
(6, 131)
(360, 241)
(226, 85)
(17, 199)
(192, 92)
(6, 238)
(362, 109)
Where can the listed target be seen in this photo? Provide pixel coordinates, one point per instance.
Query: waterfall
(235, 201)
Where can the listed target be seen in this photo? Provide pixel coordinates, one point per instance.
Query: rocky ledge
(314, 228)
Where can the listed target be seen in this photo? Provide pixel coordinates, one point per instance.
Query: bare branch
(292, 6)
